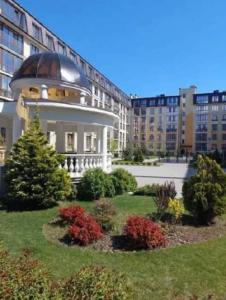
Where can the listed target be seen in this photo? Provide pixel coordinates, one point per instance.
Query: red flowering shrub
(69, 214)
(85, 230)
(144, 233)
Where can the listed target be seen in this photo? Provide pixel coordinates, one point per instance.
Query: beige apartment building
(185, 123)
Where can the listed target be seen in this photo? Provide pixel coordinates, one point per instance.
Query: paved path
(159, 174)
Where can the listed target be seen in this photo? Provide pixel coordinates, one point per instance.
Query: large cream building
(22, 35)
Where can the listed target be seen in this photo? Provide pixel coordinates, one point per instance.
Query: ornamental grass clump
(143, 233)
(176, 209)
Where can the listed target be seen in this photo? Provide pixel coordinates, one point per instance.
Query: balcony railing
(77, 164)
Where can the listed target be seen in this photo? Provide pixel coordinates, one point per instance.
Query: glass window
(11, 39)
(224, 127)
(34, 49)
(214, 117)
(3, 134)
(200, 99)
(73, 57)
(37, 32)
(223, 98)
(201, 147)
(202, 117)
(214, 137)
(9, 62)
(224, 136)
(61, 49)
(171, 101)
(214, 107)
(13, 14)
(215, 98)
(50, 42)
(202, 108)
(96, 90)
(214, 127)
(4, 86)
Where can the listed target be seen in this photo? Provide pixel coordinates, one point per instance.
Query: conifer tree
(33, 177)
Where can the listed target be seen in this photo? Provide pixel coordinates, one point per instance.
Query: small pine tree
(34, 179)
(138, 155)
(205, 193)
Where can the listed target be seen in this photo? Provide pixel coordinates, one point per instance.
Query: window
(11, 39)
(201, 117)
(34, 49)
(171, 137)
(143, 111)
(214, 127)
(223, 98)
(50, 42)
(201, 137)
(171, 101)
(152, 119)
(201, 127)
(201, 147)
(161, 101)
(172, 109)
(13, 14)
(151, 102)
(90, 71)
(202, 108)
(152, 111)
(223, 136)
(37, 32)
(224, 127)
(3, 134)
(214, 137)
(5, 90)
(73, 57)
(201, 99)
(83, 66)
(214, 107)
(61, 49)
(215, 98)
(214, 117)
(9, 62)
(96, 90)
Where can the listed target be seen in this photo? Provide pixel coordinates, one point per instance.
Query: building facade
(185, 123)
(22, 35)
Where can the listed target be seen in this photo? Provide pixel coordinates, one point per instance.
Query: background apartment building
(186, 123)
(22, 35)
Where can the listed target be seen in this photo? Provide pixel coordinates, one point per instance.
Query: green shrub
(205, 193)
(109, 187)
(96, 283)
(103, 212)
(23, 278)
(33, 177)
(138, 155)
(123, 181)
(127, 153)
(95, 184)
(147, 190)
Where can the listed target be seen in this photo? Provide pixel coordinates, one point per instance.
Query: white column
(104, 131)
(98, 143)
(80, 138)
(44, 91)
(60, 137)
(16, 128)
(43, 124)
(83, 98)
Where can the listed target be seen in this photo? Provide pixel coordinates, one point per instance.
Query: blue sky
(147, 47)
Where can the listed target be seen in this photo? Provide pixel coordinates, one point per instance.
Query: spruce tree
(33, 177)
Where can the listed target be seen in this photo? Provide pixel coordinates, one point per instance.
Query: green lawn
(199, 268)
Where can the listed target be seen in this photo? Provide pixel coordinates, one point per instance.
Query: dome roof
(52, 66)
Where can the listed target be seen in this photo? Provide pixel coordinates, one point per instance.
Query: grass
(159, 274)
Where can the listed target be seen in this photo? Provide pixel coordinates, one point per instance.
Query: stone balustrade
(77, 164)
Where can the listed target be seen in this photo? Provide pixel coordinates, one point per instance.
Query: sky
(146, 47)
